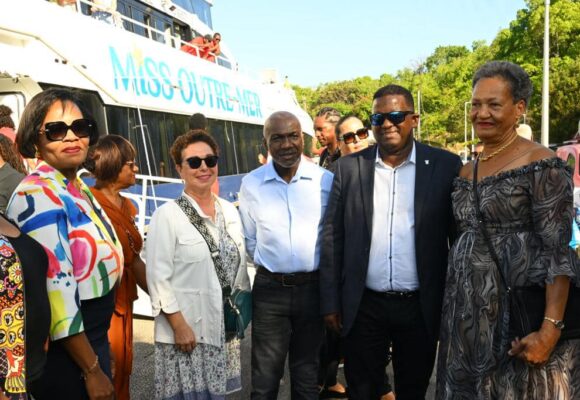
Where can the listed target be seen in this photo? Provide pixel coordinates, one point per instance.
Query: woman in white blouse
(193, 357)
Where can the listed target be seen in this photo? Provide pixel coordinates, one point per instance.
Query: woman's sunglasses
(348, 137)
(396, 117)
(57, 131)
(195, 162)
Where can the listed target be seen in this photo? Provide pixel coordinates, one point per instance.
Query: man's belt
(393, 294)
(289, 280)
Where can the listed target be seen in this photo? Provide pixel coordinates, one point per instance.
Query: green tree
(444, 78)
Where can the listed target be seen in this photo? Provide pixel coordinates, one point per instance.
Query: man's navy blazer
(347, 232)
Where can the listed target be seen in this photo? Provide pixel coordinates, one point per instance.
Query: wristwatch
(558, 323)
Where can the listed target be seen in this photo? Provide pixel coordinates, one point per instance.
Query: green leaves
(444, 78)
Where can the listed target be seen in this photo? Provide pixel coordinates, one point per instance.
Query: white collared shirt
(392, 261)
(282, 221)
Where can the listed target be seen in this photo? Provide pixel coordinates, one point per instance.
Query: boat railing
(149, 193)
(156, 35)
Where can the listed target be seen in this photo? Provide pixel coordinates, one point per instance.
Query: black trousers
(330, 354)
(286, 320)
(382, 319)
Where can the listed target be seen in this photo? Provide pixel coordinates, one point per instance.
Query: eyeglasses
(57, 131)
(396, 117)
(348, 137)
(131, 164)
(195, 162)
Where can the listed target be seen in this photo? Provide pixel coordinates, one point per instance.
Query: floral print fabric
(85, 259)
(12, 365)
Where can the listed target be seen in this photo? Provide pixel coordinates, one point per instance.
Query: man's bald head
(283, 137)
(277, 117)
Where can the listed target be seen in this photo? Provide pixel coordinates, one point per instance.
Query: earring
(36, 152)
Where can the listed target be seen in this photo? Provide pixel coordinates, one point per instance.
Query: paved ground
(143, 365)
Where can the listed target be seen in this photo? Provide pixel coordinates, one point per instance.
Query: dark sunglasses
(195, 162)
(396, 117)
(57, 131)
(348, 137)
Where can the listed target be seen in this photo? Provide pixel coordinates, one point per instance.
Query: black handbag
(237, 304)
(528, 303)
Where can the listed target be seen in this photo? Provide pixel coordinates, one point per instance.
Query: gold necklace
(495, 153)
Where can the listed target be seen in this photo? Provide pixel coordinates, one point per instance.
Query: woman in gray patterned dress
(526, 200)
(193, 358)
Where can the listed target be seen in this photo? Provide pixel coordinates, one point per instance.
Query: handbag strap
(482, 227)
(199, 224)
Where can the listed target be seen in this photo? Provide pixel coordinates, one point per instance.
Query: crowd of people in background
(389, 249)
(206, 47)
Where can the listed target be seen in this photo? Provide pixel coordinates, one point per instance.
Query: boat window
(16, 102)
(239, 143)
(122, 8)
(248, 139)
(221, 134)
(181, 31)
(201, 8)
(138, 16)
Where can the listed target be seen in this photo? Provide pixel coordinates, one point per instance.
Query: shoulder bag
(528, 303)
(237, 304)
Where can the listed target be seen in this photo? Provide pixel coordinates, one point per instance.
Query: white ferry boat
(140, 85)
(137, 81)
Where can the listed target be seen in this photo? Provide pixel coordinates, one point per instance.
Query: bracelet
(558, 323)
(92, 368)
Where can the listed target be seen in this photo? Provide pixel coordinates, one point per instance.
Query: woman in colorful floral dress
(57, 209)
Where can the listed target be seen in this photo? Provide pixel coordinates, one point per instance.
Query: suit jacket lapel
(367, 183)
(423, 172)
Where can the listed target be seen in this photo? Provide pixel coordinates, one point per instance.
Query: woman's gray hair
(518, 80)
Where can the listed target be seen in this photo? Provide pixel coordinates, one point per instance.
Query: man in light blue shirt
(282, 205)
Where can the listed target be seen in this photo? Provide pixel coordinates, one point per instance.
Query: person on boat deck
(103, 10)
(58, 210)
(324, 129)
(112, 162)
(199, 46)
(214, 48)
(70, 5)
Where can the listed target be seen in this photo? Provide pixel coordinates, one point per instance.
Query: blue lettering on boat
(147, 76)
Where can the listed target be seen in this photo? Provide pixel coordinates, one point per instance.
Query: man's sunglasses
(396, 117)
(195, 162)
(348, 137)
(57, 131)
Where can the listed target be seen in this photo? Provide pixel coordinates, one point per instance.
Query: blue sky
(318, 41)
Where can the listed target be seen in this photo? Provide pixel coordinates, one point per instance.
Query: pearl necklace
(495, 153)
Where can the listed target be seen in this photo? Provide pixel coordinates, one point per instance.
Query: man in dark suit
(385, 241)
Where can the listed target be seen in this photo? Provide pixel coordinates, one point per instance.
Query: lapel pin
(426, 162)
